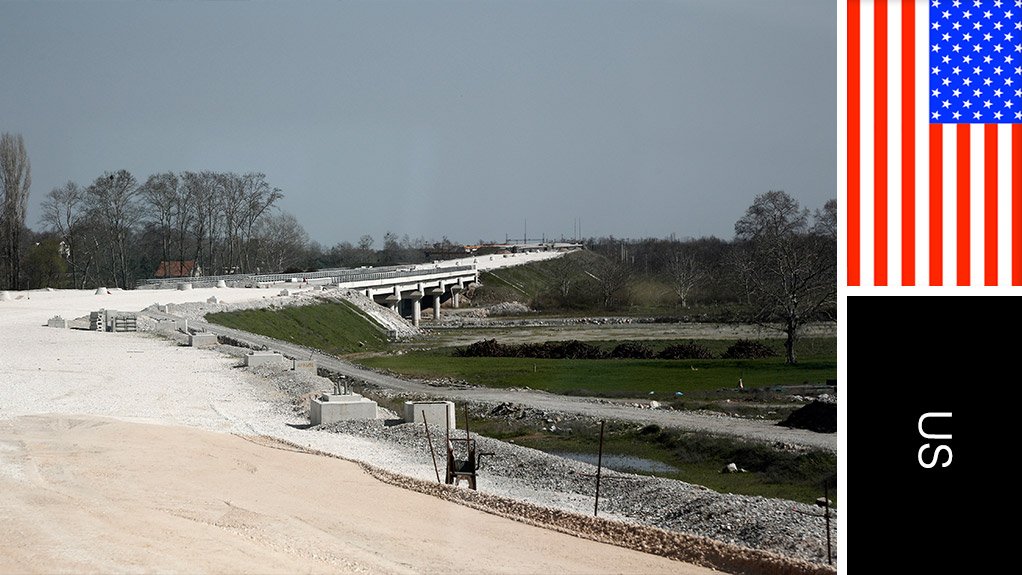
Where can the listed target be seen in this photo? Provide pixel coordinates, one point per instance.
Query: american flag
(934, 142)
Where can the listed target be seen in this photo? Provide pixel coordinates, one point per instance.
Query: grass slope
(335, 327)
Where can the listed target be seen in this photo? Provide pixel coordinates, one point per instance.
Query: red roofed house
(177, 269)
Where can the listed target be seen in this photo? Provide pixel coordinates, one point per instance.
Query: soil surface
(86, 494)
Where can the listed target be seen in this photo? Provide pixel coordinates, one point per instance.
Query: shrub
(632, 351)
(748, 349)
(690, 350)
(484, 348)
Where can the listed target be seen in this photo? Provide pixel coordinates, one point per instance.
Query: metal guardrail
(336, 276)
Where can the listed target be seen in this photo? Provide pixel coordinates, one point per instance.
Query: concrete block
(436, 412)
(184, 286)
(204, 339)
(57, 321)
(257, 358)
(304, 365)
(330, 408)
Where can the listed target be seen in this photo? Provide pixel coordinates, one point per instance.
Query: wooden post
(599, 466)
(430, 441)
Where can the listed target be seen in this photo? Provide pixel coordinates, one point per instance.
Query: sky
(470, 120)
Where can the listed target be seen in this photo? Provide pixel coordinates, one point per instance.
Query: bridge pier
(455, 295)
(416, 297)
(436, 293)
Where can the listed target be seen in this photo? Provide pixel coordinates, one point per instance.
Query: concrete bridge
(402, 288)
(404, 292)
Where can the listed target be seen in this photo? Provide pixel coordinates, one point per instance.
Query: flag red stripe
(853, 142)
(990, 204)
(963, 244)
(880, 147)
(1016, 204)
(936, 205)
(908, 144)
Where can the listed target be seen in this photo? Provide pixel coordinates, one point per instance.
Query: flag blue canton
(975, 61)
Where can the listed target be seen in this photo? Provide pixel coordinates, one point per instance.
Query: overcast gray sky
(439, 118)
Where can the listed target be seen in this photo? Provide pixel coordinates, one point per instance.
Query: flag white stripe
(977, 191)
(922, 151)
(950, 198)
(894, 145)
(922, 212)
(866, 147)
(1004, 247)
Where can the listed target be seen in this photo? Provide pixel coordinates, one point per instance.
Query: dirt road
(759, 430)
(84, 494)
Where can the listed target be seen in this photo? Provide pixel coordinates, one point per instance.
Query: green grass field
(336, 328)
(619, 377)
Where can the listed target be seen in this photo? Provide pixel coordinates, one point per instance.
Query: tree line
(780, 266)
(780, 270)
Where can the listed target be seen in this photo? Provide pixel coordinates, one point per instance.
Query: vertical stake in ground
(430, 441)
(599, 466)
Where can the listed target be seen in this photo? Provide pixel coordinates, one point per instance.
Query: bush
(747, 349)
(690, 350)
(632, 351)
(484, 348)
(575, 349)
(550, 350)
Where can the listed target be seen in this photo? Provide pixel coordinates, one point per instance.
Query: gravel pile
(817, 416)
(383, 315)
(508, 308)
(509, 470)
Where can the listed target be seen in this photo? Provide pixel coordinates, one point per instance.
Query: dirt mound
(817, 416)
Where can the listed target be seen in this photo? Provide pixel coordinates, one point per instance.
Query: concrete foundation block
(304, 365)
(331, 408)
(202, 340)
(257, 358)
(57, 321)
(437, 412)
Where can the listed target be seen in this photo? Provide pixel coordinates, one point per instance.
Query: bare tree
(113, 205)
(611, 276)
(365, 248)
(566, 273)
(282, 241)
(258, 198)
(790, 265)
(64, 214)
(685, 273)
(160, 200)
(15, 180)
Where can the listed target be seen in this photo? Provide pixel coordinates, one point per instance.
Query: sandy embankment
(79, 493)
(88, 494)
